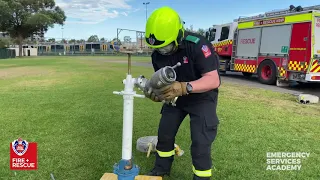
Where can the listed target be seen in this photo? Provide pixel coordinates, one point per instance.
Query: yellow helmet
(164, 27)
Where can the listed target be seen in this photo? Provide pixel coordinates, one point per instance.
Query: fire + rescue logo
(23, 155)
(20, 146)
(152, 40)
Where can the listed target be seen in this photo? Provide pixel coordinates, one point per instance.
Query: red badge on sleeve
(206, 51)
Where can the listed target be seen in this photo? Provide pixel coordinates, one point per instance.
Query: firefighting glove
(154, 97)
(173, 90)
(151, 95)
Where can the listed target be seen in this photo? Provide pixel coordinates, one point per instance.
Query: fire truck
(277, 46)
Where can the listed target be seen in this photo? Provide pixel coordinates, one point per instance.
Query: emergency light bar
(277, 13)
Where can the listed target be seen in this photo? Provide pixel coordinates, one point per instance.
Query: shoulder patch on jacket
(193, 39)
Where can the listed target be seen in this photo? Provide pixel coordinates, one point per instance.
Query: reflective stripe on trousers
(166, 154)
(205, 173)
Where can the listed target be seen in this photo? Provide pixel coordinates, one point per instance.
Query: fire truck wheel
(246, 74)
(267, 72)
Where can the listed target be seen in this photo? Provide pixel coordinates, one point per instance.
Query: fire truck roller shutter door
(275, 39)
(248, 43)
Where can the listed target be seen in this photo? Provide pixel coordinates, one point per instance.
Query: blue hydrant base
(124, 174)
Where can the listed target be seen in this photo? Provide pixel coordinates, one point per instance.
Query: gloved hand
(154, 97)
(151, 95)
(173, 90)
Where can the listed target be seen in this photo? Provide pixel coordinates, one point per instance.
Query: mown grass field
(66, 105)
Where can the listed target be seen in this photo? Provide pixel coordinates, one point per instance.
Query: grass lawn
(66, 105)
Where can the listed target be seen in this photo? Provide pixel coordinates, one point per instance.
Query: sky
(103, 17)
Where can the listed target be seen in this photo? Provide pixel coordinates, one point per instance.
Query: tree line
(22, 19)
(198, 31)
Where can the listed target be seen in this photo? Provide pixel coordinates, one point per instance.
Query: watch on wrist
(189, 88)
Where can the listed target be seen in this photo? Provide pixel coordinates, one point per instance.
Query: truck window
(207, 35)
(224, 33)
(212, 34)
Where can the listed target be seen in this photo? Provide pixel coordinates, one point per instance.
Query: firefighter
(196, 87)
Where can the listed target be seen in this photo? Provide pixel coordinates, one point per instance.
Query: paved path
(238, 78)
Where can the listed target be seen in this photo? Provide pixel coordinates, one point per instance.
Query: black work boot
(155, 172)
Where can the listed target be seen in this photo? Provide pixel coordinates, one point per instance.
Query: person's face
(167, 50)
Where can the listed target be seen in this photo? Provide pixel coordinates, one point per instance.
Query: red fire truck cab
(277, 46)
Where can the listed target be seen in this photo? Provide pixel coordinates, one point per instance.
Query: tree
(71, 41)
(190, 29)
(201, 32)
(63, 41)
(29, 41)
(5, 42)
(118, 42)
(80, 41)
(52, 40)
(23, 18)
(93, 38)
(102, 39)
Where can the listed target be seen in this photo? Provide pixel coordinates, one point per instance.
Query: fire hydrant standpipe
(126, 169)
